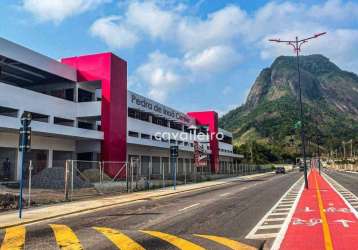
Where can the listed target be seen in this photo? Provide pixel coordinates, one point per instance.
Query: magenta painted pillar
(210, 119)
(112, 72)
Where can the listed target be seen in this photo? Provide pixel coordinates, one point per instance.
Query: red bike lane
(322, 220)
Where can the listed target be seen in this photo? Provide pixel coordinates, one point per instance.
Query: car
(302, 168)
(280, 170)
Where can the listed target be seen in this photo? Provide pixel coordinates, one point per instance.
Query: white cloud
(58, 10)
(162, 73)
(287, 20)
(226, 90)
(335, 10)
(148, 17)
(114, 33)
(213, 44)
(212, 60)
(220, 27)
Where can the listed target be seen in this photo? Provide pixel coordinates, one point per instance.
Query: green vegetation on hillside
(267, 119)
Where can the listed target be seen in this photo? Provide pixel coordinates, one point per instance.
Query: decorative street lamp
(296, 44)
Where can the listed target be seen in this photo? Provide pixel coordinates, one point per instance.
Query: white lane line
(263, 236)
(279, 213)
(252, 234)
(194, 205)
(225, 194)
(330, 181)
(276, 219)
(281, 234)
(270, 227)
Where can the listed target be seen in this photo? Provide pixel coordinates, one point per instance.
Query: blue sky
(192, 55)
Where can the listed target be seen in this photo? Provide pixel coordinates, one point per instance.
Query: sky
(190, 55)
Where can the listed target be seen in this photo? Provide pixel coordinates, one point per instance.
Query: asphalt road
(346, 179)
(230, 211)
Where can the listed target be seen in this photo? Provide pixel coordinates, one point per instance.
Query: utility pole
(251, 154)
(296, 44)
(344, 149)
(24, 146)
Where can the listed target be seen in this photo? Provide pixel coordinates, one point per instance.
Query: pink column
(210, 119)
(112, 72)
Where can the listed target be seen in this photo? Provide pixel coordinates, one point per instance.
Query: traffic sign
(26, 119)
(25, 143)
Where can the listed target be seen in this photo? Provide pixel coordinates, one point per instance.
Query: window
(154, 138)
(180, 143)
(172, 141)
(85, 96)
(136, 114)
(145, 136)
(227, 139)
(160, 121)
(133, 134)
(39, 117)
(186, 143)
(144, 116)
(85, 125)
(69, 94)
(175, 125)
(8, 111)
(63, 122)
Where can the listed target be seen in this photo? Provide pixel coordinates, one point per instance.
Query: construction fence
(87, 179)
(344, 165)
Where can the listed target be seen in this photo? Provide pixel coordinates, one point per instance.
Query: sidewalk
(31, 215)
(322, 219)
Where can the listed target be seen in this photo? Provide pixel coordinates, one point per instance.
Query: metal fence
(344, 166)
(83, 179)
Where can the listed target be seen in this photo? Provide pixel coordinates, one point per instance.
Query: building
(81, 109)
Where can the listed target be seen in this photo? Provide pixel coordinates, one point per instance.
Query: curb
(123, 203)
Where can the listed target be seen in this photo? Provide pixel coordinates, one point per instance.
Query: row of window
(149, 137)
(45, 118)
(225, 150)
(143, 116)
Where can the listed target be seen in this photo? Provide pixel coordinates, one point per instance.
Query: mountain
(270, 114)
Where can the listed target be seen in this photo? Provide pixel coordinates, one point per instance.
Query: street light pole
(296, 44)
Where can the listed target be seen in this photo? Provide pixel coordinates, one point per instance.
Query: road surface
(204, 219)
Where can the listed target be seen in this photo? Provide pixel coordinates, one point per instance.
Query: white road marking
(275, 219)
(194, 205)
(226, 194)
(282, 209)
(279, 213)
(253, 233)
(332, 181)
(263, 236)
(270, 226)
(281, 234)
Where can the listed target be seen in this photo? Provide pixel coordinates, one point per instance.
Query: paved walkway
(322, 219)
(11, 219)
